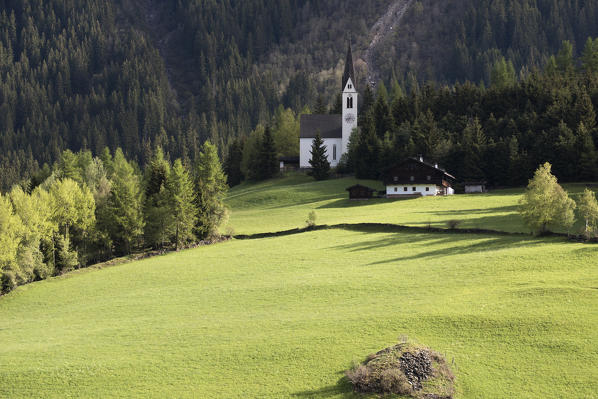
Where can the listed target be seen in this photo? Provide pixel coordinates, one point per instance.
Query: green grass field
(283, 317)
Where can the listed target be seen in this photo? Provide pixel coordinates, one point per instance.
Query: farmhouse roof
(401, 174)
(329, 126)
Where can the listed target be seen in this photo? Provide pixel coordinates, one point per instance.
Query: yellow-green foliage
(545, 203)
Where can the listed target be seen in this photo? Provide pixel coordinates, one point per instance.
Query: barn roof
(329, 126)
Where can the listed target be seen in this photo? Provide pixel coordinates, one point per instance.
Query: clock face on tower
(350, 118)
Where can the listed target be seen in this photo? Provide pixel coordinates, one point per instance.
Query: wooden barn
(414, 177)
(359, 192)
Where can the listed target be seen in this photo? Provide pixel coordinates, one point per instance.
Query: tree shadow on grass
(341, 389)
(450, 244)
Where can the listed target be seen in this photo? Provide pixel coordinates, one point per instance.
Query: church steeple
(349, 70)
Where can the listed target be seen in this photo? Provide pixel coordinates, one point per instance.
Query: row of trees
(546, 205)
(88, 209)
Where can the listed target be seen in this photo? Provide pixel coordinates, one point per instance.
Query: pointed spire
(349, 70)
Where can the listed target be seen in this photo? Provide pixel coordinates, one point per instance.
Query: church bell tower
(349, 117)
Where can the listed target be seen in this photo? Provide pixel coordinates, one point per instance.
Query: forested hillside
(139, 73)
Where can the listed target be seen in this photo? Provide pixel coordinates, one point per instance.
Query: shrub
(311, 219)
(8, 281)
(453, 224)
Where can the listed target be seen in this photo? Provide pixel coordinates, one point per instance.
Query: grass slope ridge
(284, 203)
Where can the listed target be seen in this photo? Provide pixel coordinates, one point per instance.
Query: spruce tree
(181, 197)
(210, 187)
(319, 160)
(125, 205)
(232, 165)
(157, 214)
(320, 107)
(268, 163)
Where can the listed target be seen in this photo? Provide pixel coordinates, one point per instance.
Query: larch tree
(210, 186)
(11, 229)
(320, 167)
(545, 203)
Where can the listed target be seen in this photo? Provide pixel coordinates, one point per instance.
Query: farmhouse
(414, 177)
(335, 130)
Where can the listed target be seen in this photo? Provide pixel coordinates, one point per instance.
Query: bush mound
(404, 369)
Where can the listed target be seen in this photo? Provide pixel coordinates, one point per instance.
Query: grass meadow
(282, 317)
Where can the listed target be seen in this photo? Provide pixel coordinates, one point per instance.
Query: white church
(335, 130)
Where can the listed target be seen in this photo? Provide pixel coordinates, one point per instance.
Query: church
(335, 130)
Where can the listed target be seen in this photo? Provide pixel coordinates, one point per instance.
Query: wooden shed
(359, 192)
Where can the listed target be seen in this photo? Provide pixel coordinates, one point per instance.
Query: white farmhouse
(335, 130)
(416, 178)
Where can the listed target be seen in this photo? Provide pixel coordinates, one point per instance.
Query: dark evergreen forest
(135, 74)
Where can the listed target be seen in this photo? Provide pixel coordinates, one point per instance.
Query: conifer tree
(232, 165)
(320, 107)
(125, 205)
(268, 162)
(156, 208)
(182, 204)
(320, 167)
(210, 187)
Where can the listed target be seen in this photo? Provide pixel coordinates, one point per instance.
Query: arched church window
(349, 102)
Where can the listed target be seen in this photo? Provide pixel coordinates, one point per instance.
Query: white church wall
(305, 151)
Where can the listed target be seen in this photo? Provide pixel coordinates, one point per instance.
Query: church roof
(349, 70)
(329, 126)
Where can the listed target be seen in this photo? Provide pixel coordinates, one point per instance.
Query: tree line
(498, 133)
(87, 209)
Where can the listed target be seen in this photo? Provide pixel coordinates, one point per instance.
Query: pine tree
(210, 187)
(319, 160)
(181, 197)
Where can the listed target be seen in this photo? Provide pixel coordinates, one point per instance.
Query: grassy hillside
(284, 317)
(285, 203)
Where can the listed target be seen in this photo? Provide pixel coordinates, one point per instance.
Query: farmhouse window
(427, 188)
(396, 178)
(396, 189)
(429, 178)
(406, 189)
(414, 189)
(412, 178)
